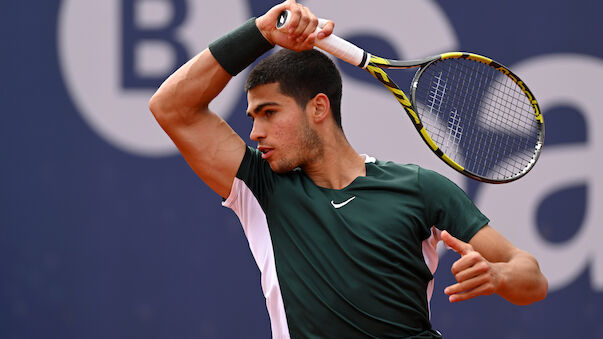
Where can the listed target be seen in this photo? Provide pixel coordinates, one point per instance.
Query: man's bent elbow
(160, 107)
(543, 289)
(155, 105)
(536, 293)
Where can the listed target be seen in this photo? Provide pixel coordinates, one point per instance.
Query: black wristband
(239, 48)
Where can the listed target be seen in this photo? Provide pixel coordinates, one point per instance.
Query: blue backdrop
(106, 233)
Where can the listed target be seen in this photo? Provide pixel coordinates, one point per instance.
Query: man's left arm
(490, 264)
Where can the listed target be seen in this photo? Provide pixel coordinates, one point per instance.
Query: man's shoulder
(410, 169)
(397, 167)
(409, 173)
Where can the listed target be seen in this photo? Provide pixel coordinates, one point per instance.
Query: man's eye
(269, 112)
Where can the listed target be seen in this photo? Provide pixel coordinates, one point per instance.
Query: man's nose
(257, 132)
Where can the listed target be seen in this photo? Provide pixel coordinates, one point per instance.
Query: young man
(345, 242)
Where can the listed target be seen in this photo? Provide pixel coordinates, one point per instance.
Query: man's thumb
(457, 245)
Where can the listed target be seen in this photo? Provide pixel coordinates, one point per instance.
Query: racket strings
(478, 116)
(496, 155)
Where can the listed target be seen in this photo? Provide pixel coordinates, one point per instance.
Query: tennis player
(346, 243)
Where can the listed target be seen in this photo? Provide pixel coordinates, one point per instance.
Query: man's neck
(337, 167)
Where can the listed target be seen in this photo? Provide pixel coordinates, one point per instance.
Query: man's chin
(280, 168)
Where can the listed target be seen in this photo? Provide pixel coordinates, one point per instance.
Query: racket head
(478, 117)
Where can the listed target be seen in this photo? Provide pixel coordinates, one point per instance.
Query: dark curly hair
(300, 75)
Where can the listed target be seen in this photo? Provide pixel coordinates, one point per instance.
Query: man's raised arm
(212, 149)
(181, 104)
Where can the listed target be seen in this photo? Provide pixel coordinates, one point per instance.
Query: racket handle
(332, 44)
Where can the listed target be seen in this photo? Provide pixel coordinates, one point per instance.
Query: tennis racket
(473, 113)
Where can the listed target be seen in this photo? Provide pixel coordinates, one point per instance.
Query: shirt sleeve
(448, 207)
(257, 175)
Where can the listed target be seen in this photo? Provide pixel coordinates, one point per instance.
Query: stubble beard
(309, 149)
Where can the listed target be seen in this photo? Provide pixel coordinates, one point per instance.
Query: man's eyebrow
(261, 106)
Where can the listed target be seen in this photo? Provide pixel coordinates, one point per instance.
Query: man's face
(281, 128)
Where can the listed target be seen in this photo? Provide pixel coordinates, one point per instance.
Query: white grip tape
(343, 50)
(338, 47)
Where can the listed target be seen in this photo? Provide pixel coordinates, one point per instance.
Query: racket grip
(334, 45)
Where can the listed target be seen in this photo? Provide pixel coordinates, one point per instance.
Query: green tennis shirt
(351, 263)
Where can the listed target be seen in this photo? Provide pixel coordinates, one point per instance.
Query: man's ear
(321, 107)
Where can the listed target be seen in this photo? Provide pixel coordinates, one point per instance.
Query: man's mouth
(266, 151)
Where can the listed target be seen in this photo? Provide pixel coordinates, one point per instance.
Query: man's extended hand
(474, 274)
(299, 35)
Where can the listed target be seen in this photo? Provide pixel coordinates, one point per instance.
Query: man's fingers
(466, 285)
(312, 23)
(295, 16)
(299, 21)
(299, 33)
(464, 294)
(475, 277)
(457, 245)
(469, 266)
(267, 22)
(326, 30)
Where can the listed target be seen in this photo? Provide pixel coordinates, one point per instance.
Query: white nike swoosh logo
(339, 205)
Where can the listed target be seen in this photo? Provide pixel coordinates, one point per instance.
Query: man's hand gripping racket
(473, 113)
